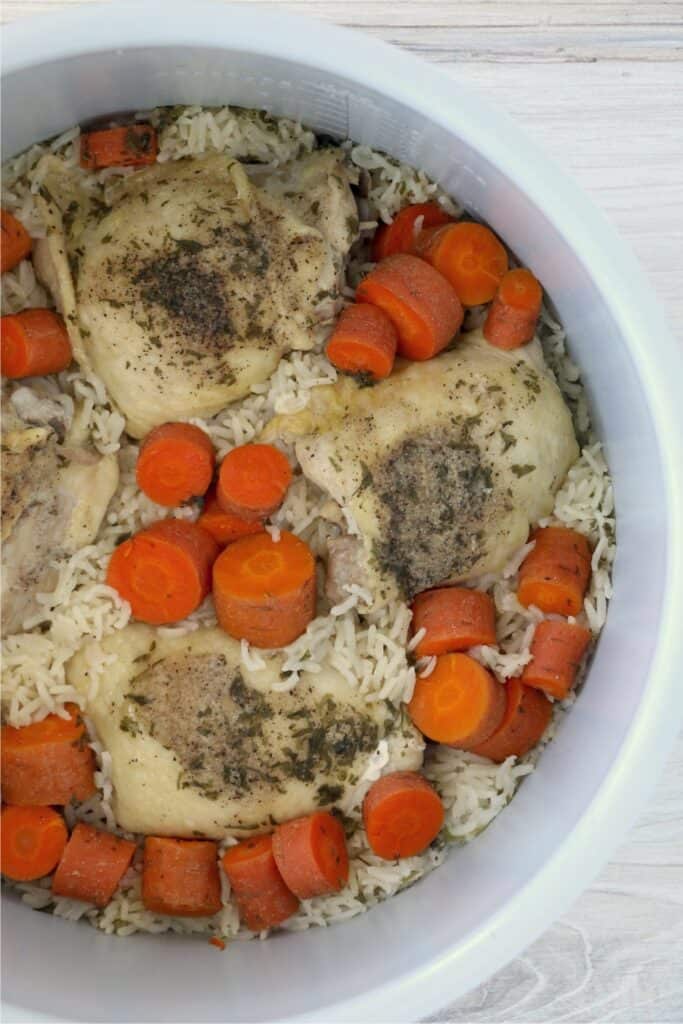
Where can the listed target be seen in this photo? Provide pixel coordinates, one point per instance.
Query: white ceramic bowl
(493, 897)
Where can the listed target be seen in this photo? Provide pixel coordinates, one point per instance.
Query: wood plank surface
(600, 85)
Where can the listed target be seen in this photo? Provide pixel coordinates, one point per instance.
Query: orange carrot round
(15, 241)
(555, 574)
(402, 815)
(556, 652)
(175, 463)
(180, 877)
(264, 590)
(400, 235)
(527, 714)
(454, 618)
(92, 866)
(469, 256)
(513, 314)
(460, 703)
(311, 855)
(262, 898)
(130, 146)
(32, 840)
(225, 527)
(33, 343)
(364, 341)
(164, 571)
(422, 305)
(253, 481)
(48, 762)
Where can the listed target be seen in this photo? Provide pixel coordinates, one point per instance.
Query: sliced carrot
(364, 341)
(180, 877)
(33, 343)
(16, 241)
(527, 714)
(422, 305)
(469, 256)
(130, 146)
(264, 590)
(402, 815)
(454, 619)
(31, 842)
(175, 463)
(253, 480)
(93, 865)
(311, 855)
(513, 314)
(218, 943)
(48, 762)
(225, 527)
(164, 571)
(555, 574)
(460, 703)
(262, 898)
(400, 235)
(556, 652)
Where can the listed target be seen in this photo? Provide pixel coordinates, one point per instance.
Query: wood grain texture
(600, 85)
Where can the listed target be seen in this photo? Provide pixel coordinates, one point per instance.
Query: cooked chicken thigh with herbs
(200, 744)
(55, 493)
(190, 288)
(442, 466)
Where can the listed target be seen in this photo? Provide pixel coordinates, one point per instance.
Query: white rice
(372, 650)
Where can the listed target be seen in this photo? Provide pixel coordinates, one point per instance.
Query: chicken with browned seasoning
(189, 289)
(55, 493)
(442, 466)
(202, 744)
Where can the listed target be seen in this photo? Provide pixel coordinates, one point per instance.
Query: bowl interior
(467, 908)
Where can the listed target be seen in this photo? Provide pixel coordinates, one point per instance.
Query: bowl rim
(409, 80)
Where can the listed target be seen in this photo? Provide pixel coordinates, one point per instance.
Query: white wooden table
(600, 85)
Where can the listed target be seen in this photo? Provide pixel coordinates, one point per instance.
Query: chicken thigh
(202, 745)
(55, 494)
(190, 288)
(442, 466)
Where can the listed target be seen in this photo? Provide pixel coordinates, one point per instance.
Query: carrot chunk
(180, 877)
(554, 576)
(225, 527)
(164, 571)
(402, 815)
(422, 305)
(175, 463)
(32, 840)
(130, 146)
(264, 590)
(454, 619)
(469, 256)
(400, 235)
(460, 703)
(513, 314)
(16, 241)
(364, 341)
(92, 866)
(253, 480)
(311, 855)
(527, 714)
(262, 898)
(33, 343)
(556, 649)
(48, 762)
